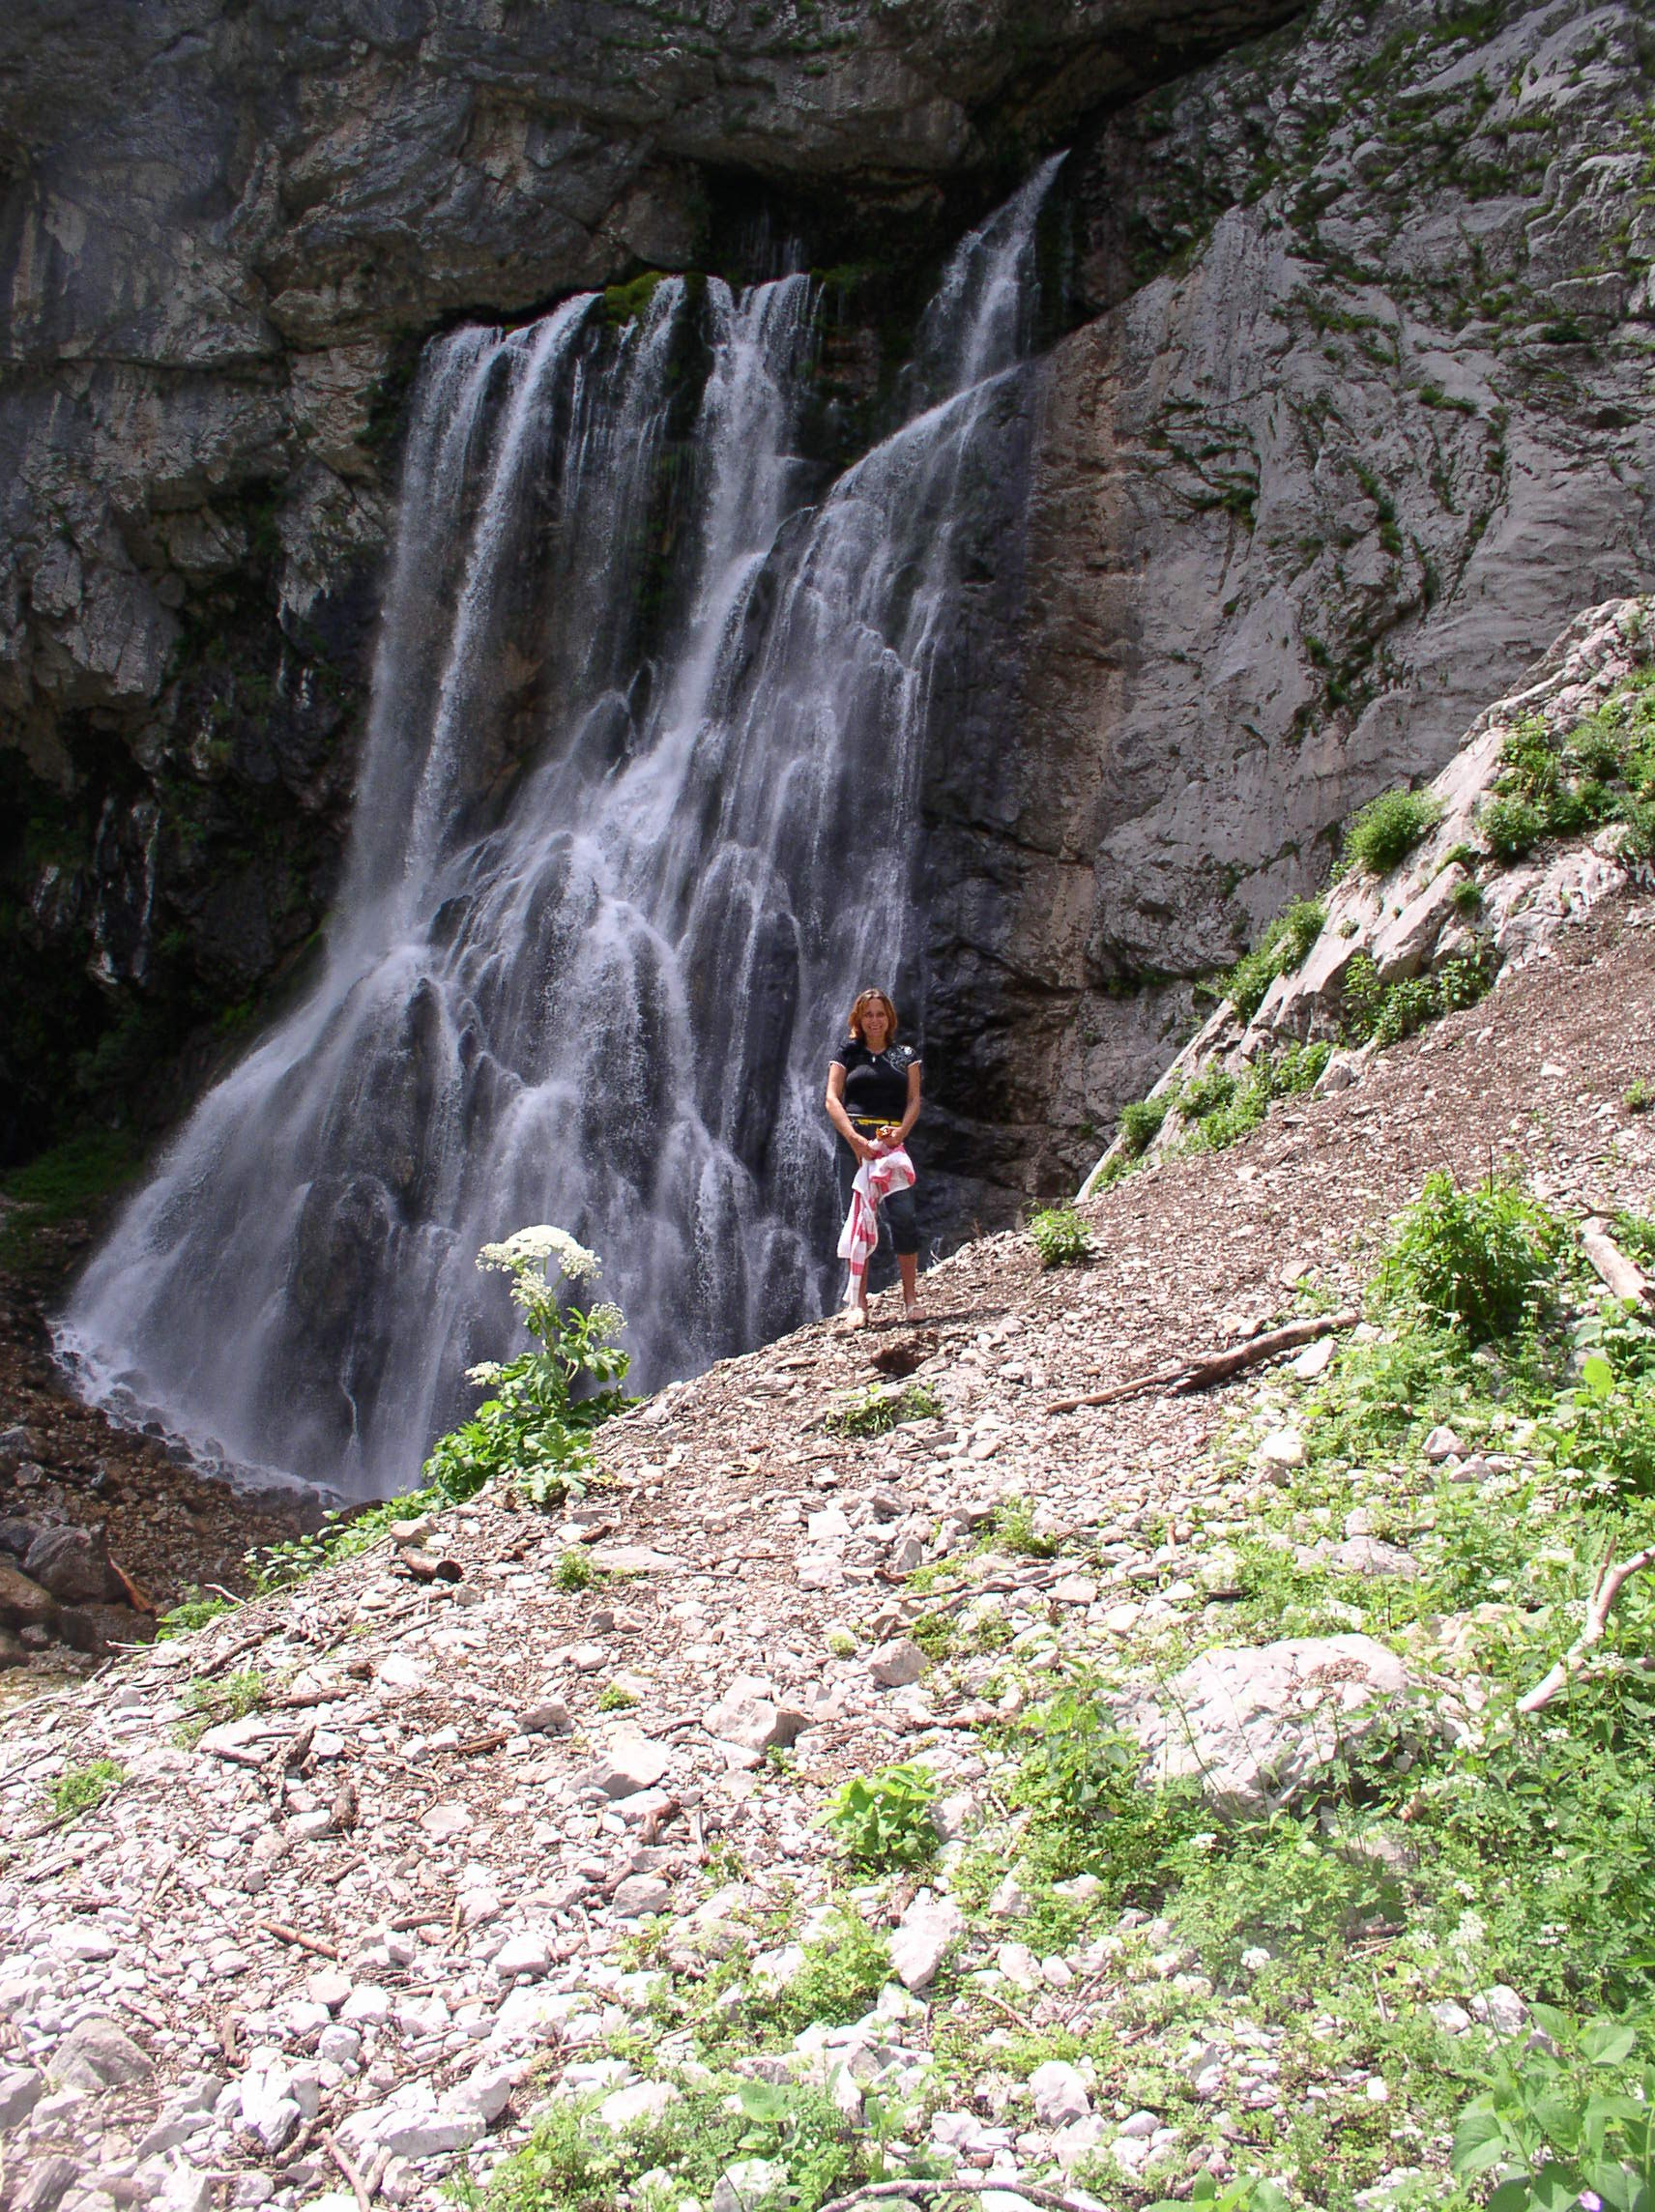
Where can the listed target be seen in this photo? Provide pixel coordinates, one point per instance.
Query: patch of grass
(1061, 1237)
(83, 1789)
(1382, 833)
(209, 1704)
(1011, 1528)
(1638, 1096)
(55, 1186)
(194, 1609)
(616, 1698)
(345, 1533)
(1223, 1108)
(877, 1411)
(840, 1980)
(573, 2164)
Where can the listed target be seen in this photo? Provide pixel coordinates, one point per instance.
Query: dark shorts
(897, 1214)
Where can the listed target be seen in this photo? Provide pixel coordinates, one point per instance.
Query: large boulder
(74, 1565)
(1258, 1726)
(23, 1604)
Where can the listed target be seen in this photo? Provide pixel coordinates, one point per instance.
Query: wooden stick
(1610, 1263)
(359, 2186)
(1205, 1368)
(1219, 1366)
(919, 2186)
(286, 1935)
(235, 1652)
(1610, 1580)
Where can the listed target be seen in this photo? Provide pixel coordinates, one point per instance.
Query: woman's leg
(904, 1220)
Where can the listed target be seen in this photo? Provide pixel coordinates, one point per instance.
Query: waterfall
(638, 810)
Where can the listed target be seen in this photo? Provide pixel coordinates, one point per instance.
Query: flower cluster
(545, 1243)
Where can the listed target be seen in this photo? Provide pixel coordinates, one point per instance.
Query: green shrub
(883, 1820)
(1511, 827)
(1140, 1123)
(1467, 898)
(345, 1533)
(194, 1609)
(574, 2164)
(1284, 946)
(1060, 1237)
(1385, 1014)
(83, 1789)
(616, 1698)
(1564, 2120)
(1482, 1261)
(1210, 1092)
(1382, 833)
(1638, 1096)
(1012, 1529)
(1248, 2193)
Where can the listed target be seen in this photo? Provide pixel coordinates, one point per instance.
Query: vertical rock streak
(601, 993)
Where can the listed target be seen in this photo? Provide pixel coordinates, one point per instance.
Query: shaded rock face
(1298, 508)
(225, 231)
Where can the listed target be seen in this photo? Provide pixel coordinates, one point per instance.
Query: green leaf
(1480, 2140)
(1598, 1375)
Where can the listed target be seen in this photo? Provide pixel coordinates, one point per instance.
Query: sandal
(916, 1312)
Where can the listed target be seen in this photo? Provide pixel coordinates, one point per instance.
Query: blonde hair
(865, 998)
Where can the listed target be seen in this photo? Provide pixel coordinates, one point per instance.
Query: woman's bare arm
(841, 1120)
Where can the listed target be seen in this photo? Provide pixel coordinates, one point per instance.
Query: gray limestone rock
(1257, 1725)
(97, 2055)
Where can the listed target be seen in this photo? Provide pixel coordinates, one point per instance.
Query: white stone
(1314, 1360)
(522, 1954)
(1440, 1445)
(1256, 1724)
(366, 2006)
(449, 1818)
(268, 2110)
(1059, 2093)
(923, 1937)
(748, 2183)
(643, 2101)
(397, 1672)
(641, 1894)
(1009, 1900)
(1501, 2009)
(1283, 1447)
(896, 1664)
(631, 1762)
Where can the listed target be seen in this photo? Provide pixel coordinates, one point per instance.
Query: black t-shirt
(876, 1084)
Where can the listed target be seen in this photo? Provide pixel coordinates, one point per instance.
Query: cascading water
(604, 905)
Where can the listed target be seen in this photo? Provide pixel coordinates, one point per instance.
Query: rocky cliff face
(224, 232)
(1354, 418)
(1364, 419)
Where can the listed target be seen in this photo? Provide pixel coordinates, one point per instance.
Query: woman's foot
(915, 1311)
(856, 1317)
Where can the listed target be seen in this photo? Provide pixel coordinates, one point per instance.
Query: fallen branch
(1219, 1366)
(235, 1650)
(1059, 2201)
(359, 2186)
(1610, 1265)
(1205, 1368)
(297, 1936)
(1611, 1579)
(492, 1741)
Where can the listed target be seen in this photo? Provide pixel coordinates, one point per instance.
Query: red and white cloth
(876, 1179)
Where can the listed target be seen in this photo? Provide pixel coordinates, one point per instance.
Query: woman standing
(872, 1101)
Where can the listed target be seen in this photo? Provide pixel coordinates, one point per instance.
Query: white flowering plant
(536, 1424)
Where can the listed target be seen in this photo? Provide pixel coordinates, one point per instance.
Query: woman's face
(876, 1026)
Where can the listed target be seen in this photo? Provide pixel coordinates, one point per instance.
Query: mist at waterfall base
(638, 811)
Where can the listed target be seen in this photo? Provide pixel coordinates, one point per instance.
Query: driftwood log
(1610, 1265)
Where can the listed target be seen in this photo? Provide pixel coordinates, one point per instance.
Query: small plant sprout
(616, 1698)
(883, 1820)
(1061, 1237)
(1639, 1095)
(574, 1570)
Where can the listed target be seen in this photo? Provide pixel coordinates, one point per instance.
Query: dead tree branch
(1611, 1579)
